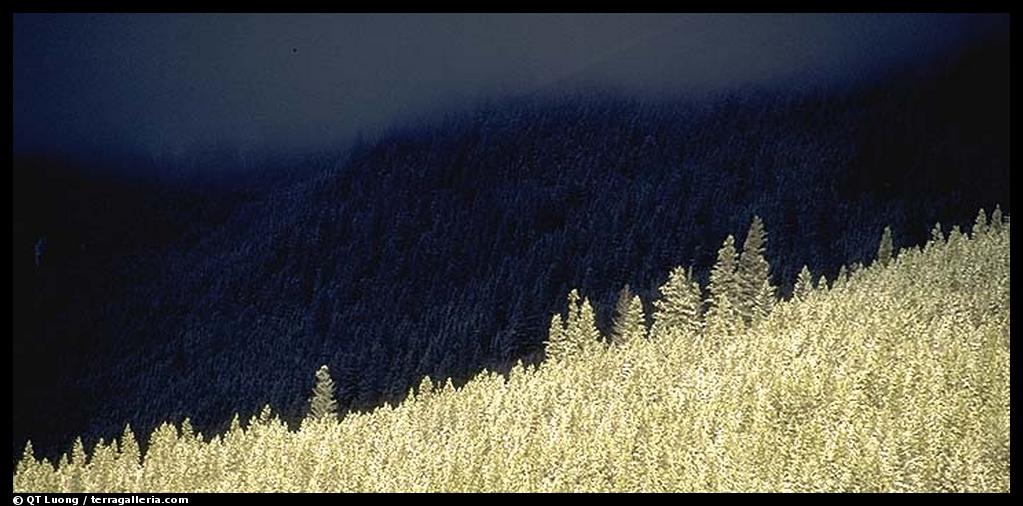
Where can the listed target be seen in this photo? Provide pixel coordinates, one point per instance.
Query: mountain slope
(896, 379)
(444, 248)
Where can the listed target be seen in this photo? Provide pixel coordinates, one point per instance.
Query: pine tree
(628, 322)
(76, 466)
(804, 284)
(322, 404)
(884, 250)
(840, 278)
(558, 346)
(578, 333)
(955, 237)
(980, 225)
(753, 276)
(937, 235)
(28, 459)
(582, 327)
(996, 219)
(723, 284)
(425, 390)
(129, 447)
(723, 322)
(854, 268)
(678, 309)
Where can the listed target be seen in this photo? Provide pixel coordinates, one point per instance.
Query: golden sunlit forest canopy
(890, 377)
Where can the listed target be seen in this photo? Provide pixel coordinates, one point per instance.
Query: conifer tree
(723, 322)
(955, 236)
(884, 250)
(322, 403)
(582, 330)
(76, 466)
(724, 287)
(628, 322)
(129, 447)
(678, 309)
(425, 390)
(753, 276)
(28, 459)
(996, 219)
(128, 460)
(854, 268)
(558, 346)
(937, 235)
(840, 278)
(804, 284)
(578, 332)
(980, 225)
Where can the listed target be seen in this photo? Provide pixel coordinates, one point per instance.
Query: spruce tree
(980, 225)
(723, 284)
(884, 250)
(804, 284)
(129, 448)
(753, 276)
(723, 322)
(996, 219)
(937, 235)
(322, 403)
(425, 390)
(628, 321)
(557, 339)
(678, 309)
(582, 327)
(28, 459)
(840, 278)
(854, 268)
(955, 236)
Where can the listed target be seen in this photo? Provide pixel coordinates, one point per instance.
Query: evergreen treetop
(753, 276)
(884, 249)
(804, 284)
(679, 305)
(628, 322)
(322, 404)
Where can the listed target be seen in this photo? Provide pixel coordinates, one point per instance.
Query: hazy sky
(160, 83)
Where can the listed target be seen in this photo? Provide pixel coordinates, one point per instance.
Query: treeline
(892, 377)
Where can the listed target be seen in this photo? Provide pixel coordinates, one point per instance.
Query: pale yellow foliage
(896, 380)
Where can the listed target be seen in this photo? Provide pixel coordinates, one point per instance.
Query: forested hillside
(895, 378)
(443, 248)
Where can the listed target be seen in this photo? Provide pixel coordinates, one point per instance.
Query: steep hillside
(896, 379)
(444, 248)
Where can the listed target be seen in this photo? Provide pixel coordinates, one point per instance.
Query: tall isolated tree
(724, 287)
(678, 309)
(322, 404)
(884, 250)
(753, 276)
(628, 322)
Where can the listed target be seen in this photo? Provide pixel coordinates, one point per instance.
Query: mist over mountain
(443, 247)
